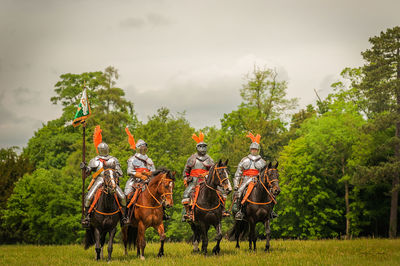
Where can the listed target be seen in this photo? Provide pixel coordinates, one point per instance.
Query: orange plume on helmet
(97, 138)
(199, 138)
(254, 139)
(131, 140)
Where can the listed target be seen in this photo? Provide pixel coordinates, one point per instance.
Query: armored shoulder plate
(94, 163)
(191, 161)
(245, 163)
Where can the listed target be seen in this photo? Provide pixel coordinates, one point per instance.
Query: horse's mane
(161, 170)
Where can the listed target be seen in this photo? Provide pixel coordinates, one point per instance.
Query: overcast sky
(186, 55)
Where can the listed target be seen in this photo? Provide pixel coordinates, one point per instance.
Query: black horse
(258, 206)
(208, 208)
(105, 217)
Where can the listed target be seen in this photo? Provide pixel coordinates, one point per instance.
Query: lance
(84, 161)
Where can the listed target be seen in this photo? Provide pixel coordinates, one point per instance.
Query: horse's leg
(102, 241)
(218, 237)
(267, 234)
(141, 240)
(196, 237)
(252, 233)
(204, 233)
(124, 232)
(237, 233)
(110, 243)
(161, 233)
(97, 243)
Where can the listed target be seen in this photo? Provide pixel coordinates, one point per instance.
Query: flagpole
(84, 161)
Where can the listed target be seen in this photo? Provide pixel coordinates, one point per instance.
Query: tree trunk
(346, 199)
(395, 182)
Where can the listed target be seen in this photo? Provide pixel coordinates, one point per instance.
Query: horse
(148, 212)
(105, 217)
(207, 210)
(258, 206)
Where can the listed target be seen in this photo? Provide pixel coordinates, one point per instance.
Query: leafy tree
(381, 86)
(44, 209)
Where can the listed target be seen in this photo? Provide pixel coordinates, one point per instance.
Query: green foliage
(44, 209)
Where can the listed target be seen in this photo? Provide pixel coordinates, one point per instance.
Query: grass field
(283, 252)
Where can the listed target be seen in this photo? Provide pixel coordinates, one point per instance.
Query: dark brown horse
(258, 206)
(148, 212)
(105, 217)
(208, 209)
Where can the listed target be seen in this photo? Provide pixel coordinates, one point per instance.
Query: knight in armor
(97, 165)
(139, 169)
(248, 169)
(195, 171)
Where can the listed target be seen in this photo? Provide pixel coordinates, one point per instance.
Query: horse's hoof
(160, 255)
(266, 248)
(216, 251)
(237, 246)
(142, 258)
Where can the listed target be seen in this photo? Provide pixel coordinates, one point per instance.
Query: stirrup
(85, 222)
(239, 216)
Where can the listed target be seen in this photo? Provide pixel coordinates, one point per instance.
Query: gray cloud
(156, 19)
(24, 95)
(132, 23)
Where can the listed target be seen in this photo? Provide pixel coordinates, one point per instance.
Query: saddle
(139, 188)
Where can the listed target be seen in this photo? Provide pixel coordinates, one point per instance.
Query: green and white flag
(83, 111)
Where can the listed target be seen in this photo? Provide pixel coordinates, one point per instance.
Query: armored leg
(187, 212)
(122, 201)
(88, 199)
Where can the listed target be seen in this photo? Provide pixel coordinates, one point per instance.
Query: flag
(83, 111)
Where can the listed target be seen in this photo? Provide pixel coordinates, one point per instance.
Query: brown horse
(258, 206)
(148, 212)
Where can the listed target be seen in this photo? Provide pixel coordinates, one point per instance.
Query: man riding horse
(248, 169)
(139, 169)
(97, 165)
(195, 171)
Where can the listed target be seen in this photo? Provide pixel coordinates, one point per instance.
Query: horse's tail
(89, 238)
(132, 234)
(241, 227)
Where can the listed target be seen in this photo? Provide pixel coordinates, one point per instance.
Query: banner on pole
(83, 111)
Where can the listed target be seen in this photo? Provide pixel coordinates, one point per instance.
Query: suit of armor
(137, 164)
(196, 167)
(95, 165)
(248, 168)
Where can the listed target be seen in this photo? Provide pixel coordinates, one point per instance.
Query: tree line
(339, 158)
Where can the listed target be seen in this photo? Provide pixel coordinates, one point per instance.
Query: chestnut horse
(258, 206)
(105, 217)
(148, 212)
(209, 206)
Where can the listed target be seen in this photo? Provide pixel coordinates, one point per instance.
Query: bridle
(163, 196)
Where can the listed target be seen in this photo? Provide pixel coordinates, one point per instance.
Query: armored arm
(118, 169)
(238, 175)
(131, 170)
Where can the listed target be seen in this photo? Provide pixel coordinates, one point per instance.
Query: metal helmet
(103, 149)
(201, 148)
(254, 145)
(140, 143)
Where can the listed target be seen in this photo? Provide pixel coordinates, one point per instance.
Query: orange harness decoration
(96, 199)
(249, 190)
(250, 172)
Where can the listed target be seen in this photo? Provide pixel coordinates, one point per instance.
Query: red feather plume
(97, 138)
(199, 138)
(254, 139)
(131, 140)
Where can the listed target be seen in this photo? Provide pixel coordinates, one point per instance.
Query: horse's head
(218, 176)
(271, 177)
(165, 186)
(110, 181)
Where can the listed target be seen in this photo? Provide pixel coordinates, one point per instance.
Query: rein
(216, 191)
(269, 193)
(151, 194)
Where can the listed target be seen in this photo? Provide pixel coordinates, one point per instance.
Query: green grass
(283, 252)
